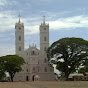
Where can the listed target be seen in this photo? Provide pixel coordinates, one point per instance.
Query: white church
(37, 67)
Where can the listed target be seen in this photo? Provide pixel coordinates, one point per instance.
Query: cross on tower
(19, 17)
(44, 19)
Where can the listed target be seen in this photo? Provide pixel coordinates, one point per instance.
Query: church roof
(33, 48)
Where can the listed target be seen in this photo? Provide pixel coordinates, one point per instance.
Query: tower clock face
(19, 28)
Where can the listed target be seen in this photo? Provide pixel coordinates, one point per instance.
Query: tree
(84, 68)
(68, 54)
(12, 64)
(2, 70)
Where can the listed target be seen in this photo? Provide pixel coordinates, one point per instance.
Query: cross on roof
(44, 19)
(19, 17)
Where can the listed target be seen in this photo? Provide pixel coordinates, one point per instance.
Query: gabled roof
(32, 48)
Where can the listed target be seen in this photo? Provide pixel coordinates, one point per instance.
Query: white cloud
(8, 21)
(14, 2)
(31, 29)
(7, 2)
(70, 22)
(59, 24)
(7, 49)
(3, 2)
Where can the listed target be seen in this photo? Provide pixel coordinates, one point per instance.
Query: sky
(66, 18)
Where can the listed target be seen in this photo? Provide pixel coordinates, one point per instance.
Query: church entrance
(33, 78)
(27, 78)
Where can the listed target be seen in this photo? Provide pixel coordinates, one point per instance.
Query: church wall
(20, 77)
(46, 76)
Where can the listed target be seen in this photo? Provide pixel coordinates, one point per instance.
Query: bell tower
(19, 37)
(44, 36)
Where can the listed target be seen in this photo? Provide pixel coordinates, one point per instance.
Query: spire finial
(19, 17)
(35, 45)
(44, 19)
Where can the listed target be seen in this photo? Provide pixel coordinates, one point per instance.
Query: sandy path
(45, 84)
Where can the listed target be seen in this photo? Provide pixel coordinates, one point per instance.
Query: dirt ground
(45, 84)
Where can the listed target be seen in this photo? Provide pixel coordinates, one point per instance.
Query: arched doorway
(27, 78)
(33, 78)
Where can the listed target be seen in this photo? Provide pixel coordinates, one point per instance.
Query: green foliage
(2, 70)
(84, 68)
(69, 54)
(12, 64)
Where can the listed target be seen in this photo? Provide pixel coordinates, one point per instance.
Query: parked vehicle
(4, 80)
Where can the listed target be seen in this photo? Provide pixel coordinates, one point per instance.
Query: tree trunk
(66, 77)
(11, 78)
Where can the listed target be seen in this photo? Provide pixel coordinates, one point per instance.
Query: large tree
(13, 64)
(68, 54)
(2, 69)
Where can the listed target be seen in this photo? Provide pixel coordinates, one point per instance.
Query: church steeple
(19, 37)
(44, 35)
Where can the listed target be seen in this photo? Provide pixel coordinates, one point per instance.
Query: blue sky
(66, 18)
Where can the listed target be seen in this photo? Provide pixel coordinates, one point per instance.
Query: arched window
(33, 68)
(44, 28)
(27, 53)
(45, 69)
(27, 70)
(33, 52)
(45, 38)
(19, 38)
(19, 48)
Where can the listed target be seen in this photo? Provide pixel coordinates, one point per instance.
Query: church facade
(37, 67)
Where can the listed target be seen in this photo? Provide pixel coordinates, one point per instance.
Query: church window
(33, 53)
(45, 38)
(33, 68)
(27, 53)
(45, 69)
(44, 28)
(45, 60)
(19, 48)
(27, 70)
(19, 38)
